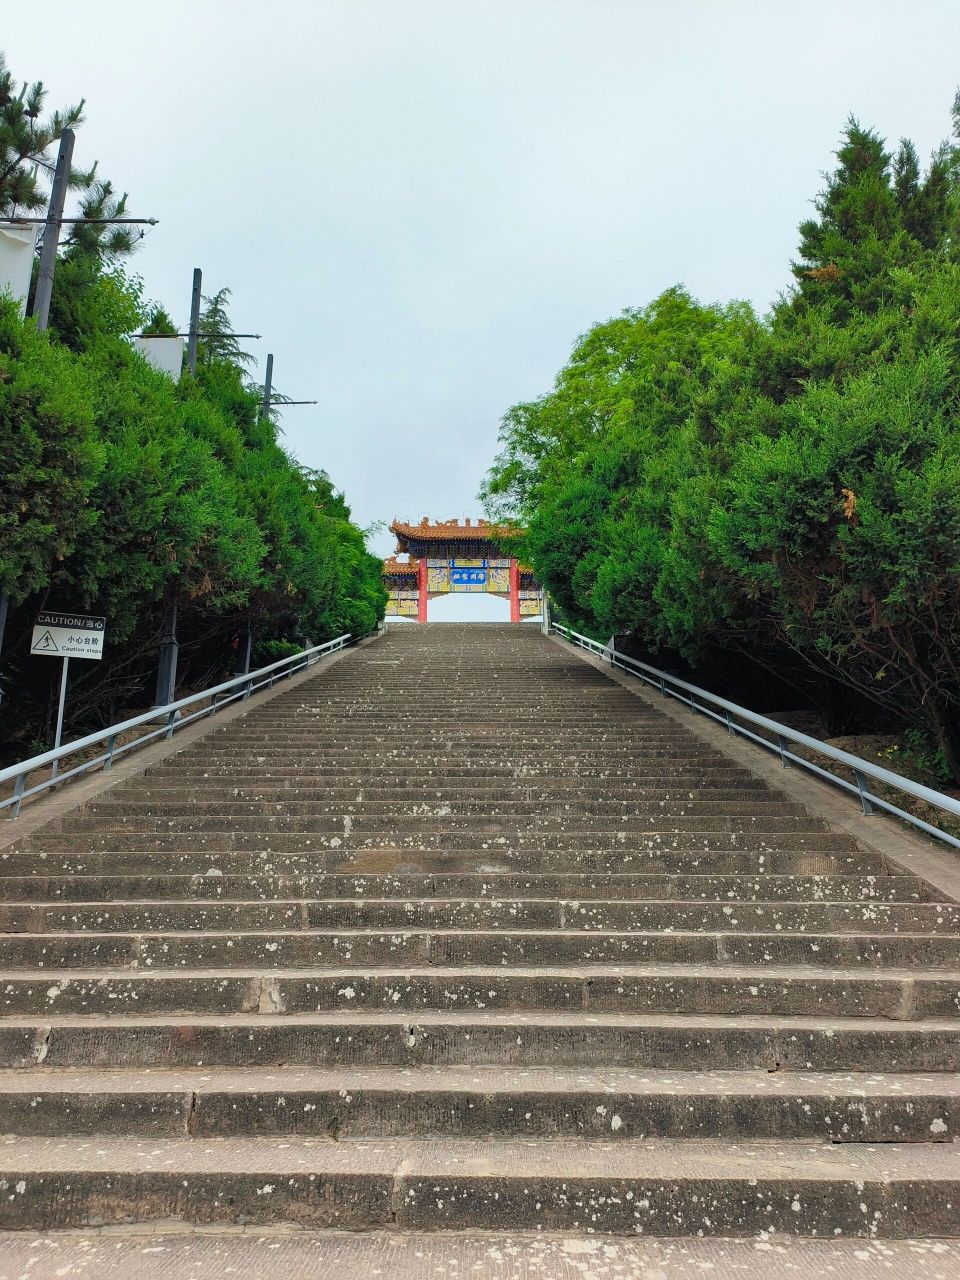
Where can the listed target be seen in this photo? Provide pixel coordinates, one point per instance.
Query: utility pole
(268, 392)
(52, 224)
(51, 230)
(267, 387)
(194, 329)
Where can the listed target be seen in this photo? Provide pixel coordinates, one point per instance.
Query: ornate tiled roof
(401, 568)
(443, 530)
(440, 539)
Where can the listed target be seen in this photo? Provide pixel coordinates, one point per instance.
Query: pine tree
(877, 213)
(101, 240)
(26, 144)
(216, 340)
(159, 322)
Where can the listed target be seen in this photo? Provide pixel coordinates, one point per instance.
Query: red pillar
(514, 591)
(421, 590)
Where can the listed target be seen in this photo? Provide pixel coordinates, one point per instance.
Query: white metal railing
(239, 688)
(729, 713)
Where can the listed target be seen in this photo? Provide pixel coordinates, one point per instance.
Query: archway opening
(468, 606)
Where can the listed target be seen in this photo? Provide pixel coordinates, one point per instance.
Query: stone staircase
(459, 934)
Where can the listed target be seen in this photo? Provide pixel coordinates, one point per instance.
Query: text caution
(68, 635)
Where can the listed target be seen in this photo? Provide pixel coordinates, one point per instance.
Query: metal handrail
(724, 711)
(171, 713)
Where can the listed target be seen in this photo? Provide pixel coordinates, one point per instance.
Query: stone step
(557, 733)
(524, 695)
(511, 707)
(497, 745)
(612, 1104)
(565, 717)
(554, 1038)
(296, 947)
(521, 705)
(708, 989)
(519, 741)
(420, 725)
(575, 845)
(573, 885)
(495, 859)
(491, 763)
(107, 814)
(440, 820)
(598, 915)
(133, 798)
(375, 755)
(427, 779)
(325, 784)
(387, 736)
(168, 774)
(170, 1250)
(459, 934)
(653, 1187)
(525, 702)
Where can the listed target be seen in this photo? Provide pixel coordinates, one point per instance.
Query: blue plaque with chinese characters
(467, 577)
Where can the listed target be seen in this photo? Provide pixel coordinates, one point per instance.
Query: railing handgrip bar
(781, 731)
(167, 712)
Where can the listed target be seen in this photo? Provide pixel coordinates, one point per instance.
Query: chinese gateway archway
(451, 556)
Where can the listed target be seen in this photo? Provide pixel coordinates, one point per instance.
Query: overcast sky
(421, 203)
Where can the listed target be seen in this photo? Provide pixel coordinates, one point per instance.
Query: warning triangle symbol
(46, 644)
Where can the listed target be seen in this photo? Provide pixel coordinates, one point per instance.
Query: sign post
(63, 697)
(66, 636)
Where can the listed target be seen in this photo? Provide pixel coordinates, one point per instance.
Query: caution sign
(68, 635)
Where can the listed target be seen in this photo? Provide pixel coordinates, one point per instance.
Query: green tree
(788, 488)
(27, 141)
(51, 456)
(100, 239)
(590, 470)
(216, 339)
(90, 251)
(157, 321)
(124, 492)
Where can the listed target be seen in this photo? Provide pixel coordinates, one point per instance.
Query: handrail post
(171, 721)
(784, 762)
(18, 788)
(864, 790)
(108, 762)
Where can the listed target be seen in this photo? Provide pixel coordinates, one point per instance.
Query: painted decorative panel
(402, 603)
(468, 575)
